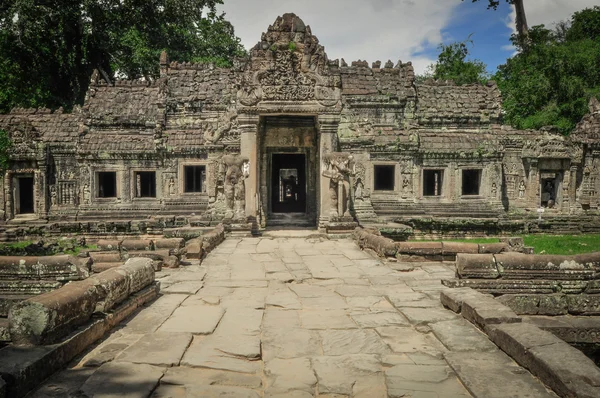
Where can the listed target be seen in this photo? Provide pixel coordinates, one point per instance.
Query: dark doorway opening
(548, 196)
(288, 183)
(107, 184)
(195, 176)
(432, 182)
(25, 195)
(471, 181)
(145, 184)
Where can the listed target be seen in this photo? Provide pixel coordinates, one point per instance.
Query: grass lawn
(551, 244)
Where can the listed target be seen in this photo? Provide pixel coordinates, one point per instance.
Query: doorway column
(328, 142)
(249, 125)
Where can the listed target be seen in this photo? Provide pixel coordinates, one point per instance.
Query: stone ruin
(252, 146)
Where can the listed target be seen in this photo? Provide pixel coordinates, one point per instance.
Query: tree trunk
(521, 22)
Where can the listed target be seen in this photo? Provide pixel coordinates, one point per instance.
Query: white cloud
(353, 29)
(548, 12)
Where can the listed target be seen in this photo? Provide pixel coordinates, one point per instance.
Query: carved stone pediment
(288, 66)
(551, 147)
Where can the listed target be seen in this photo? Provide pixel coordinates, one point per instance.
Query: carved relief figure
(171, 186)
(522, 190)
(340, 166)
(53, 195)
(494, 190)
(235, 186)
(358, 191)
(86, 194)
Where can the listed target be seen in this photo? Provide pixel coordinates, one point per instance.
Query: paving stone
(495, 375)
(198, 377)
(485, 310)
(329, 302)
(276, 318)
(326, 319)
(420, 316)
(354, 341)
(151, 317)
(183, 288)
(203, 391)
(251, 298)
(355, 291)
(109, 349)
(407, 340)
(283, 299)
(373, 303)
(160, 349)
(287, 375)
(122, 379)
(289, 343)
(304, 290)
(193, 319)
(202, 353)
(379, 319)
(407, 380)
(62, 384)
(461, 335)
(341, 374)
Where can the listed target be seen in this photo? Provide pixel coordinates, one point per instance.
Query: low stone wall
(163, 251)
(430, 251)
(199, 247)
(49, 317)
(534, 284)
(558, 365)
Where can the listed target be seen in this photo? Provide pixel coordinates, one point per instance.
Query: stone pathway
(296, 317)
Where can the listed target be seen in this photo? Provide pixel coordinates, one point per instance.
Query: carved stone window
(195, 179)
(145, 184)
(384, 177)
(433, 182)
(107, 184)
(471, 181)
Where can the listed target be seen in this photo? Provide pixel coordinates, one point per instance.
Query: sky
(406, 30)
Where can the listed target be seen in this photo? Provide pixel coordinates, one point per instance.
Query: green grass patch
(549, 244)
(16, 245)
(563, 244)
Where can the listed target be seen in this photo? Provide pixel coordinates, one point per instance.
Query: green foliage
(551, 83)
(49, 48)
(452, 64)
(5, 145)
(292, 46)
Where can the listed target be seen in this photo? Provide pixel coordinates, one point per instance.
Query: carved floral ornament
(552, 147)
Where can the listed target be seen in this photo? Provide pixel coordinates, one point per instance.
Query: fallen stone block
(6, 302)
(18, 267)
(113, 287)
(516, 286)
(27, 287)
(107, 244)
(453, 298)
(482, 266)
(425, 249)
(46, 318)
(137, 244)
(101, 267)
(483, 310)
(139, 271)
(193, 249)
(384, 247)
(451, 249)
(493, 248)
(565, 369)
(169, 243)
(106, 257)
(60, 267)
(4, 333)
(159, 257)
(213, 238)
(583, 304)
(549, 267)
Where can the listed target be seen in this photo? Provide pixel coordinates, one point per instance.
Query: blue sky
(407, 30)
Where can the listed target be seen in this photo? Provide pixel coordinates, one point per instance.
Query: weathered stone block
(515, 243)
(425, 249)
(137, 244)
(139, 271)
(493, 248)
(46, 318)
(113, 287)
(384, 247)
(476, 266)
(101, 267)
(550, 267)
(583, 304)
(453, 248)
(453, 298)
(193, 249)
(171, 244)
(106, 257)
(107, 244)
(213, 238)
(535, 304)
(7, 301)
(565, 369)
(484, 311)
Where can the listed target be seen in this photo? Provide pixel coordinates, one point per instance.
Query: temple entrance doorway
(288, 171)
(24, 195)
(288, 181)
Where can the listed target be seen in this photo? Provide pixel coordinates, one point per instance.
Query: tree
(5, 145)
(50, 47)
(452, 64)
(551, 83)
(521, 18)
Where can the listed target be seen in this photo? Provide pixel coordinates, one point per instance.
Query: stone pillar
(41, 192)
(571, 189)
(533, 185)
(328, 142)
(249, 125)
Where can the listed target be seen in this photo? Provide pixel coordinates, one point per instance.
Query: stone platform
(296, 316)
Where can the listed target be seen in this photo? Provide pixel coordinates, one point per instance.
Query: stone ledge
(23, 368)
(565, 369)
(484, 311)
(453, 298)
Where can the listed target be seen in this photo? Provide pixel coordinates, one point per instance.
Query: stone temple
(287, 136)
